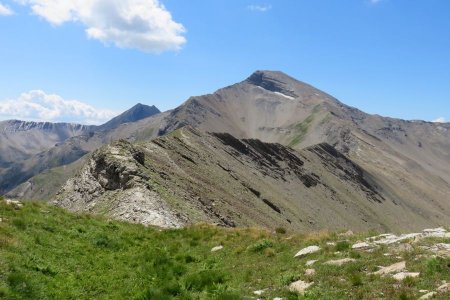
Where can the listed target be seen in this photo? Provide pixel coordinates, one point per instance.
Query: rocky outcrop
(114, 182)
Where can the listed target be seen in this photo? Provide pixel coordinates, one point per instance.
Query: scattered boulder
(436, 232)
(340, 262)
(300, 286)
(310, 272)
(307, 250)
(441, 246)
(259, 292)
(15, 203)
(444, 288)
(389, 239)
(217, 248)
(428, 296)
(397, 267)
(331, 244)
(311, 262)
(402, 275)
(361, 246)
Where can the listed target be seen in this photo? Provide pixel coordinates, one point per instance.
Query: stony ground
(47, 253)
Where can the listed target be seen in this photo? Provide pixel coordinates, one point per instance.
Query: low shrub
(342, 246)
(261, 245)
(280, 230)
(203, 280)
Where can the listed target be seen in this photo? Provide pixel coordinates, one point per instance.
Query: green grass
(301, 130)
(47, 253)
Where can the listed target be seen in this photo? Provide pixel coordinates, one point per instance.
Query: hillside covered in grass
(48, 253)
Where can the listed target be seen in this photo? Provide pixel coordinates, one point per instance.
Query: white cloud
(5, 10)
(439, 120)
(140, 24)
(259, 8)
(36, 105)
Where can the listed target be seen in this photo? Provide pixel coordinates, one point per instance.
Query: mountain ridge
(28, 148)
(190, 176)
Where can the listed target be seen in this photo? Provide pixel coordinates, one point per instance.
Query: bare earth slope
(410, 158)
(190, 177)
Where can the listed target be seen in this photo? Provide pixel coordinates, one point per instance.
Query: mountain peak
(263, 75)
(138, 112)
(274, 81)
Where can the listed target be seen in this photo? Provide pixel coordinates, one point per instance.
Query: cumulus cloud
(140, 24)
(439, 120)
(259, 8)
(37, 105)
(5, 10)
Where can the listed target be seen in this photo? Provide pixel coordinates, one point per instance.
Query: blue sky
(85, 62)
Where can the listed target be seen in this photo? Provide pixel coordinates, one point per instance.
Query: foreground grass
(47, 253)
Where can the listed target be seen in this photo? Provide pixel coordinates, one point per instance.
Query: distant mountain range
(29, 148)
(332, 165)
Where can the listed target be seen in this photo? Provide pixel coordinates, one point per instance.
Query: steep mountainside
(407, 160)
(29, 148)
(411, 158)
(189, 176)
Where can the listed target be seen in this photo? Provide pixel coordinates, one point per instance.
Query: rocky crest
(113, 182)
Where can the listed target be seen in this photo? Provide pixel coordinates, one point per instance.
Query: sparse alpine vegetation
(48, 253)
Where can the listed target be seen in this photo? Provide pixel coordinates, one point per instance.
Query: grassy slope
(47, 253)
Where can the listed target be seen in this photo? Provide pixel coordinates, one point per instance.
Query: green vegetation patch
(48, 253)
(301, 130)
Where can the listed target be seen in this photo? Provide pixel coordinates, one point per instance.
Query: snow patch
(285, 96)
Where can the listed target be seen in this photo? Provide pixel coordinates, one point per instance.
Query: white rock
(423, 291)
(331, 243)
(217, 248)
(277, 298)
(436, 232)
(311, 262)
(15, 203)
(442, 246)
(258, 293)
(402, 275)
(444, 288)
(362, 245)
(433, 230)
(428, 296)
(300, 286)
(340, 262)
(381, 236)
(310, 272)
(397, 267)
(392, 239)
(307, 250)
